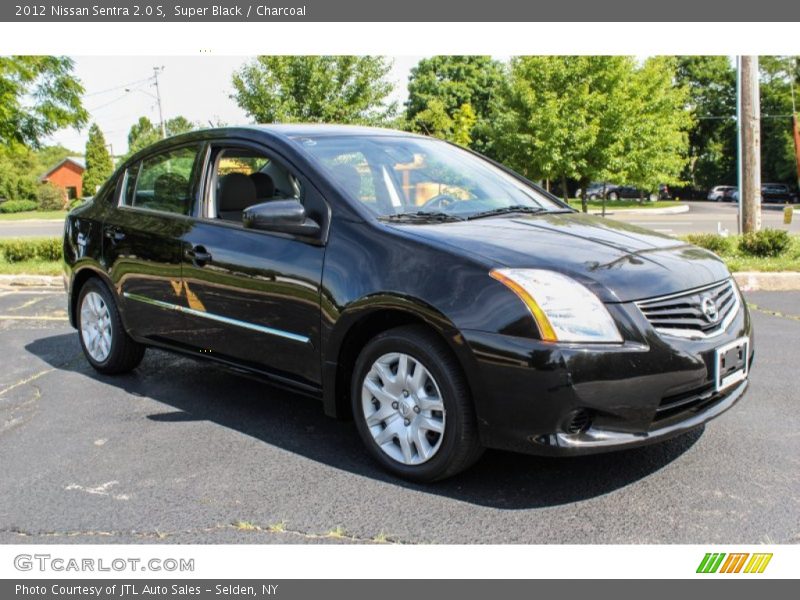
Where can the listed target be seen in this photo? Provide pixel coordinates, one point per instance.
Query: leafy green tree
(38, 95)
(435, 121)
(19, 171)
(99, 163)
(655, 137)
(711, 81)
(586, 118)
(449, 83)
(778, 75)
(315, 89)
(144, 132)
(564, 116)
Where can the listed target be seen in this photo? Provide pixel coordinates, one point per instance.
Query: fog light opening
(578, 421)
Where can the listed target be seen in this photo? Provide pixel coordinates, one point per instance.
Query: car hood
(617, 261)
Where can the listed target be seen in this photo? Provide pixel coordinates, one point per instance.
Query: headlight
(564, 310)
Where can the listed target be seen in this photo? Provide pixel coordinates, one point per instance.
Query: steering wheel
(439, 202)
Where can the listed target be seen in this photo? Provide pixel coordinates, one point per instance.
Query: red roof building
(68, 175)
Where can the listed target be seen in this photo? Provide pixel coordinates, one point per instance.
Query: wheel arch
(79, 278)
(365, 319)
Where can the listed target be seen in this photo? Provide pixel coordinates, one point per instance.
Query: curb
(782, 281)
(749, 281)
(23, 280)
(669, 210)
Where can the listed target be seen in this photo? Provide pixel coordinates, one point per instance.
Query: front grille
(699, 313)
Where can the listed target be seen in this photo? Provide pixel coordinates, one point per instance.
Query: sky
(118, 92)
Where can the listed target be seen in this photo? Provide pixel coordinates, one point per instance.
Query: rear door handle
(199, 255)
(115, 234)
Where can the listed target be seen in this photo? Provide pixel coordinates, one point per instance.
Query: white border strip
(498, 39)
(374, 561)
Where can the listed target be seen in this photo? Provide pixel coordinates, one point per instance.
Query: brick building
(68, 175)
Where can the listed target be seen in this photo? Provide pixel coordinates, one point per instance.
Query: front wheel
(106, 344)
(613, 196)
(412, 406)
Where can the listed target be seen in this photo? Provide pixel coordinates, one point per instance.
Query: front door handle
(199, 256)
(115, 234)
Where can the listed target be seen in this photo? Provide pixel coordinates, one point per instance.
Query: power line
(119, 87)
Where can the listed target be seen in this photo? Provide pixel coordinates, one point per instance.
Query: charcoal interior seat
(235, 192)
(265, 186)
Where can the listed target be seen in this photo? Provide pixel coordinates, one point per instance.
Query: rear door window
(163, 182)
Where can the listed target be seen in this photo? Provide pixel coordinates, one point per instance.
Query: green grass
(739, 261)
(612, 205)
(47, 215)
(31, 267)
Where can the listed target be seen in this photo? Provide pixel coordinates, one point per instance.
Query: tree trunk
(564, 190)
(584, 198)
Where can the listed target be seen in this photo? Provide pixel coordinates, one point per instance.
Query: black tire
(460, 444)
(125, 353)
(613, 196)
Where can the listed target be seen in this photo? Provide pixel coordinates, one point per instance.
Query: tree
(449, 83)
(19, 170)
(711, 83)
(315, 89)
(778, 75)
(38, 95)
(99, 164)
(593, 118)
(144, 132)
(563, 116)
(655, 137)
(435, 121)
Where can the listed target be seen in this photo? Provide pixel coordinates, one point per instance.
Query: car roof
(285, 131)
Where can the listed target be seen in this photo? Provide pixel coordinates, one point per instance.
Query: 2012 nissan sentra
(442, 301)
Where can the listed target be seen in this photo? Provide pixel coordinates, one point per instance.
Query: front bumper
(648, 389)
(594, 440)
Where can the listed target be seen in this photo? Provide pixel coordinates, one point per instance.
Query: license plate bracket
(731, 363)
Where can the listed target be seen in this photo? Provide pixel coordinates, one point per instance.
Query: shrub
(18, 250)
(711, 241)
(765, 243)
(76, 202)
(15, 206)
(50, 197)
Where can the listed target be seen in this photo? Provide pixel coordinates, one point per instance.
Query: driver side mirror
(284, 216)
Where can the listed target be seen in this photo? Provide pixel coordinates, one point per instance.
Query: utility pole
(156, 71)
(750, 145)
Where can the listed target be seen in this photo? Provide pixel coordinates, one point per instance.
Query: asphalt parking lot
(188, 452)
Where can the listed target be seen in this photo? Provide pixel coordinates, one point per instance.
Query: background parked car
(777, 192)
(717, 193)
(770, 192)
(613, 191)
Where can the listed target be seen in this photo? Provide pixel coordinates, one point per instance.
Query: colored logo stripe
(733, 564)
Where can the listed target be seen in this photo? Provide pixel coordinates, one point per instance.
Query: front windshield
(412, 175)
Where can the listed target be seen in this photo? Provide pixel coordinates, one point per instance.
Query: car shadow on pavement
(204, 391)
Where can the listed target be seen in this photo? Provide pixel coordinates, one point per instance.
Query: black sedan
(444, 302)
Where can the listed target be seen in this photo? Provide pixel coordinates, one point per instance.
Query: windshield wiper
(421, 216)
(504, 210)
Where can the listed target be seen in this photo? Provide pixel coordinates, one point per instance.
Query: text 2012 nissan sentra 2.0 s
(443, 301)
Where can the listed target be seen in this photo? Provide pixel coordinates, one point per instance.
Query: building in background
(68, 175)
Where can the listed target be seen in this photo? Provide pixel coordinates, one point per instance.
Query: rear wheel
(412, 406)
(106, 344)
(613, 196)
